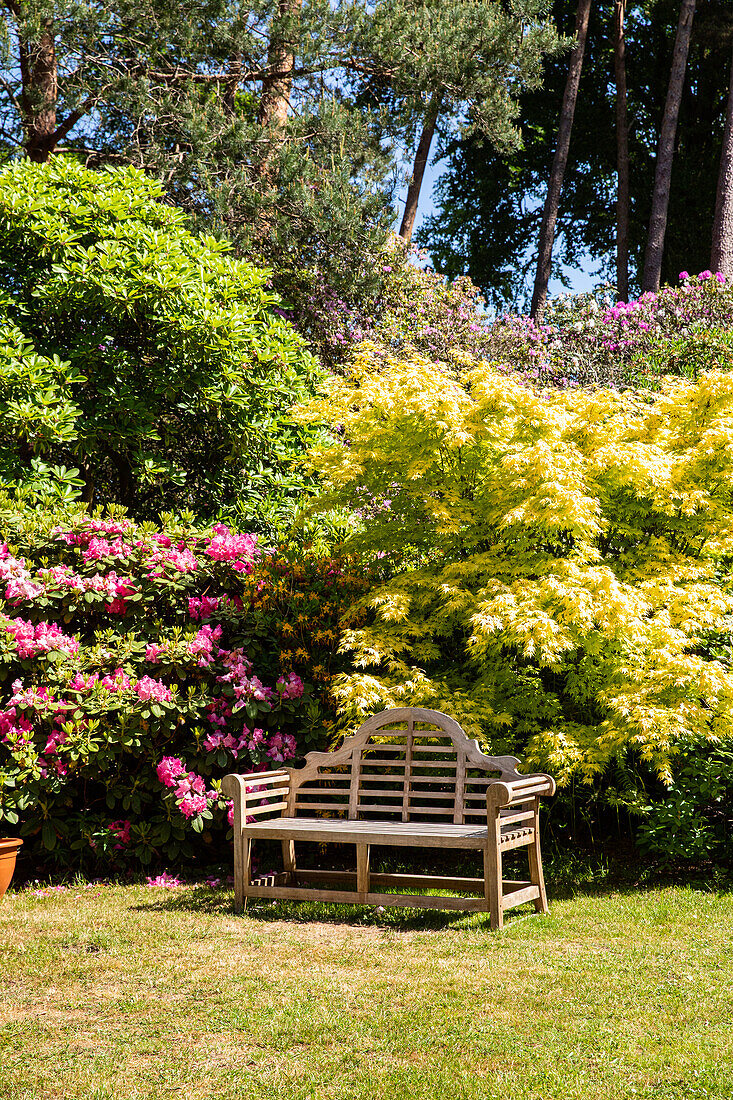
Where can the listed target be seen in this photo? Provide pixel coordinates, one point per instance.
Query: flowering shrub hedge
(584, 339)
(138, 666)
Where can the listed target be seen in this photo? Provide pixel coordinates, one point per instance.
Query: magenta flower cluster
(589, 338)
(31, 640)
(189, 789)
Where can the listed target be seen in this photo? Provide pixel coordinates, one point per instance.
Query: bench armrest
(257, 794)
(509, 792)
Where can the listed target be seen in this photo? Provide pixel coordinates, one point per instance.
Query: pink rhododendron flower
(218, 739)
(290, 686)
(193, 804)
(19, 589)
(80, 684)
(201, 607)
(117, 681)
(281, 747)
(154, 652)
(240, 550)
(57, 737)
(182, 559)
(169, 769)
(16, 730)
(190, 784)
(256, 738)
(204, 643)
(121, 829)
(102, 548)
(149, 689)
(164, 879)
(20, 585)
(43, 638)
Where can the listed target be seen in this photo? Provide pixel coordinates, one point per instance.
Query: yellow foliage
(556, 560)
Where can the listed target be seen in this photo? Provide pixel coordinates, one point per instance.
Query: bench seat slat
(410, 833)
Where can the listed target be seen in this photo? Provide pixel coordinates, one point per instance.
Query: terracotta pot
(8, 852)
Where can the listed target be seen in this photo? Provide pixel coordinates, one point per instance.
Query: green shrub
(136, 351)
(558, 559)
(693, 820)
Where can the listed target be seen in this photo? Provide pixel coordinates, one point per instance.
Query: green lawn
(137, 992)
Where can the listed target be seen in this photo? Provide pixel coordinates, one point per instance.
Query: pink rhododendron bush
(136, 669)
(586, 339)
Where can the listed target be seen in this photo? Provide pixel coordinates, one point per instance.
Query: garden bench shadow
(219, 901)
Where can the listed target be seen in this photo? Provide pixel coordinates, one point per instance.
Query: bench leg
(362, 871)
(242, 871)
(493, 890)
(288, 847)
(535, 864)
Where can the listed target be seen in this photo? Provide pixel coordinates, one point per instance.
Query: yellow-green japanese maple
(557, 559)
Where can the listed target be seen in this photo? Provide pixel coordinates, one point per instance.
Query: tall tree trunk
(665, 152)
(234, 74)
(622, 154)
(418, 168)
(560, 160)
(277, 85)
(39, 74)
(126, 479)
(721, 258)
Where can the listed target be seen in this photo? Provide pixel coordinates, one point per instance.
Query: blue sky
(578, 279)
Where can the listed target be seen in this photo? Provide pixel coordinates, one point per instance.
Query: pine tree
(622, 153)
(552, 201)
(721, 258)
(418, 169)
(455, 68)
(665, 153)
(242, 113)
(489, 204)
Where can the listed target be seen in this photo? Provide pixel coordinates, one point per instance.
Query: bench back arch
(407, 764)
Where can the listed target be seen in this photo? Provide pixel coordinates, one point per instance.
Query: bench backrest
(409, 764)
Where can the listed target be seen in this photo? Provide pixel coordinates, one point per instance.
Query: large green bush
(140, 353)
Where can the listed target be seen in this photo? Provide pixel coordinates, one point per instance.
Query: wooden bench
(407, 778)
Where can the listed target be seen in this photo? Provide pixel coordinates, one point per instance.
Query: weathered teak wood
(410, 778)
